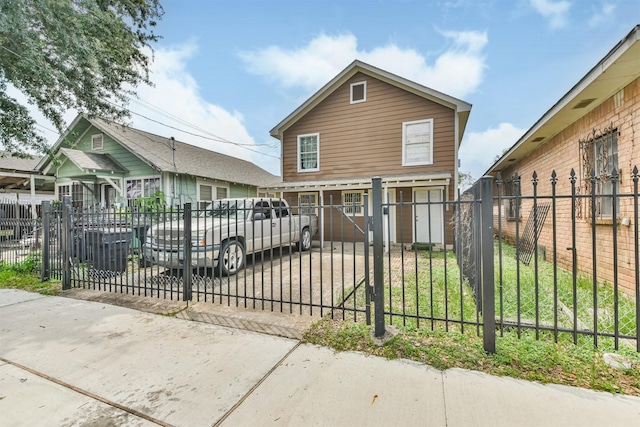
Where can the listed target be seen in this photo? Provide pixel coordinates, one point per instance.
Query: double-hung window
(309, 152)
(417, 143)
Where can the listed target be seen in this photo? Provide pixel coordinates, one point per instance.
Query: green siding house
(103, 164)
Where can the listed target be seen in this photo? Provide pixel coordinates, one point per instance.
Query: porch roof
(407, 180)
(92, 161)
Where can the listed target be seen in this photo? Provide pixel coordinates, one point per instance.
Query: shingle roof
(158, 152)
(92, 161)
(9, 162)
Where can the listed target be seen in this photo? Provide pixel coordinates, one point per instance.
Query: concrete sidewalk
(75, 362)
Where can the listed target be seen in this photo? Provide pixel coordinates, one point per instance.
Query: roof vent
(538, 139)
(584, 103)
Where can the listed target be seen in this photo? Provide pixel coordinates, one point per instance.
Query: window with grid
(142, 187)
(309, 152)
(417, 146)
(308, 203)
(352, 202)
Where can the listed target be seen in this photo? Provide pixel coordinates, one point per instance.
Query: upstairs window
(97, 142)
(309, 152)
(358, 92)
(417, 143)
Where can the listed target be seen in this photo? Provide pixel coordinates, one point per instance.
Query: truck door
(266, 232)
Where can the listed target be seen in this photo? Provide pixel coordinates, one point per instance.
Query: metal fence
(490, 273)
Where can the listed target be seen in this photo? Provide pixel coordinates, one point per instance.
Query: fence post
(488, 285)
(67, 211)
(186, 244)
(378, 260)
(45, 272)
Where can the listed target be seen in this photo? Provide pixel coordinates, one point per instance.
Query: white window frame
(142, 179)
(350, 208)
(94, 139)
(299, 160)
(405, 162)
(364, 97)
(301, 207)
(214, 191)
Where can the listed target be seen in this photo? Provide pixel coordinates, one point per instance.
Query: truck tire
(304, 244)
(231, 258)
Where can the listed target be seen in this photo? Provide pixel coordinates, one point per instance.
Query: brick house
(595, 126)
(367, 122)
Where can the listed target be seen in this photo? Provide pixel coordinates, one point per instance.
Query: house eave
(612, 73)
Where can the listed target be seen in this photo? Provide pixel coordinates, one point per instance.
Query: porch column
(34, 214)
(321, 217)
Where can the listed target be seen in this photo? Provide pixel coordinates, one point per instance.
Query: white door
(429, 216)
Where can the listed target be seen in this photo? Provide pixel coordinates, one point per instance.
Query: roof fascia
(47, 159)
(598, 70)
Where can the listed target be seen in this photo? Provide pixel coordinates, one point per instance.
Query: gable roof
(159, 151)
(92, 161)
(616, 70)
(462, 108)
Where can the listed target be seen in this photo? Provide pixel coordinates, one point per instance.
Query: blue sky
(232, 70)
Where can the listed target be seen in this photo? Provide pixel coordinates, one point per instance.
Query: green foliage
(87, 55)
(153, 204)
(24, 275)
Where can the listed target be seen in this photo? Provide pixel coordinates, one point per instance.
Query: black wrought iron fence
(543, 269)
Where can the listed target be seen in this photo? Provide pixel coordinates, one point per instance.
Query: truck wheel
(305, 240)
(231, 258)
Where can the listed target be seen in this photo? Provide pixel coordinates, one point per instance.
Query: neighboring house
(596, 125)
(367, 122)
(103, 164)
(20, 181)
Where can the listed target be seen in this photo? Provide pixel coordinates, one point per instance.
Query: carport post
(378, 260)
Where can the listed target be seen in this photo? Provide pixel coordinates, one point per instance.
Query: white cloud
(603, 15)
(479, 149)
(555, 11)
(177, 95)
(457, 72)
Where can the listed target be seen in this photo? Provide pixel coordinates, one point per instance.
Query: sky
(229, 71)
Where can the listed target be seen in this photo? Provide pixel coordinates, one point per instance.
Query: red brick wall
(562, 154)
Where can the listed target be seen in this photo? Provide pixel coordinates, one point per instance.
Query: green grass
(525, 358)
(432, 293)
(25, 276)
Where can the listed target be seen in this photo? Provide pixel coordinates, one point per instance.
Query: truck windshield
(225, 209)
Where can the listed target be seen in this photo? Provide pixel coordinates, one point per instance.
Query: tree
(87, 55)
(465, 180)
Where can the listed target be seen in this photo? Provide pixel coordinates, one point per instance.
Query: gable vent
(583, 103)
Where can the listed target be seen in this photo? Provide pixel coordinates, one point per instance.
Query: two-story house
(367, 122)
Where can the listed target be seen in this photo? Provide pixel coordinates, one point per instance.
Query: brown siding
(365, 139)
(562, 154)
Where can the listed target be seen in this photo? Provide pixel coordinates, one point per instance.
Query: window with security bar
(352, 202)
(600, 154)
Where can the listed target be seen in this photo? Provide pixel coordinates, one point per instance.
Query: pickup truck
(226, 231)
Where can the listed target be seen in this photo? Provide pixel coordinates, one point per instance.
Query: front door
(429, 216)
